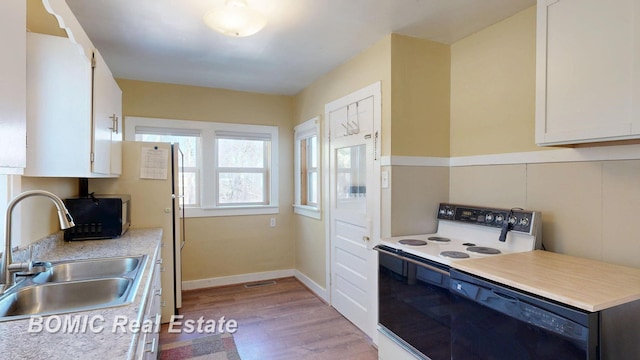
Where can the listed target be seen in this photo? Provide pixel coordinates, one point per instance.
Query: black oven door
(414, 302)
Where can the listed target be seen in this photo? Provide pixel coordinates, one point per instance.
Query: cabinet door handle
(153, 346)
(114, 123)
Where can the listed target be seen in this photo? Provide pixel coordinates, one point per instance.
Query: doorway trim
(374, 90)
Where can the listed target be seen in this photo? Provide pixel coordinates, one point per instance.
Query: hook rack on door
(352, 127)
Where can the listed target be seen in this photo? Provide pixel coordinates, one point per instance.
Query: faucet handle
(29, 268)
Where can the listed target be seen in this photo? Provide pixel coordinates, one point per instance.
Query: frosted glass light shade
(235, 19)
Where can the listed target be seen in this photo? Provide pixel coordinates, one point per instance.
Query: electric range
(415, 305)
(471, 232)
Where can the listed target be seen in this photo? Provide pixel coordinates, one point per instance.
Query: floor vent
(259, 284)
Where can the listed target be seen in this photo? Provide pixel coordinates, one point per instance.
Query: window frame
(207, 177)
(302, 132)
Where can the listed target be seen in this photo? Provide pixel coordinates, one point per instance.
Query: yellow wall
(587, 207)
(40, 21)
(415, 122)
(489, 99)
(37, 216)
(420, 78)
(372, 65)
(493, 88)
(226, 246)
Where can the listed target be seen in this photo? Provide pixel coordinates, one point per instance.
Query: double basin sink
(74, 285)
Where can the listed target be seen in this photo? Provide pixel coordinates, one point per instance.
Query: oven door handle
(432, 268)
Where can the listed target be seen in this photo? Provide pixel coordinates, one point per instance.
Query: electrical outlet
(272, 222)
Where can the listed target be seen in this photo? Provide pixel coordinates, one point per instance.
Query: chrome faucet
(8, 266)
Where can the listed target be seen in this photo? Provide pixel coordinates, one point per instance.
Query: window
(229, 169)
(242, 169)
(307, 158)
(189, 144)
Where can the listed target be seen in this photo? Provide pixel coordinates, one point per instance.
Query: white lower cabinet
(148, 344)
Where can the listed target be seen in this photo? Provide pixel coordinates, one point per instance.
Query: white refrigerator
(150, 175)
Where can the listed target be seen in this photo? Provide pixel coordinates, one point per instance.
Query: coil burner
(438, 239)
(412, 242)
(483, 250)
(454, 254)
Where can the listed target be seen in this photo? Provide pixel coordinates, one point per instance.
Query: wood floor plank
(281, 321)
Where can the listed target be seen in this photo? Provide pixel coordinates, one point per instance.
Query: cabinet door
(586, 54)
(13, 92)
(58, 108)
(107, 119)
(116, 133)
(103, 116)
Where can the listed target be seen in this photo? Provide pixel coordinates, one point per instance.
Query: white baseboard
(262, 276)
(312, 285)
(236, 279)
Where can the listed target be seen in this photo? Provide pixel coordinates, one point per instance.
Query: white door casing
(352, 153)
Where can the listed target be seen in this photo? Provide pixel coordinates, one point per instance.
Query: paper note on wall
(154, 163)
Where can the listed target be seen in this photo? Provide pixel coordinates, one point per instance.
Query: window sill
(307, 211)
(196, 212)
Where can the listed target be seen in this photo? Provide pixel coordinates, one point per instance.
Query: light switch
(384, 179)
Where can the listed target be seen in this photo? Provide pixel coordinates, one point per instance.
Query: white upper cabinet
(107, 118)
(58, 108)
(588, 71)
(13, 81)
(74, 104)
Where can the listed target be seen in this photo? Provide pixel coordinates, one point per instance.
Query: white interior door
(353, 201)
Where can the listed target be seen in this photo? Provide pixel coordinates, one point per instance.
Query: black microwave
(98, 217)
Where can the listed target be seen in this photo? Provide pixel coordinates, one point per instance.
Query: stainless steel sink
(65, 297)
(74, 285)
(89, 269)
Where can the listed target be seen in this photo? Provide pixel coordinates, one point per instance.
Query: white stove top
(462, 236)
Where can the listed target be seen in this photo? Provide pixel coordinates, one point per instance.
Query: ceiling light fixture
(235, 19)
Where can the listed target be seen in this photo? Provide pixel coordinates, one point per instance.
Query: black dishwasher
(490, 321)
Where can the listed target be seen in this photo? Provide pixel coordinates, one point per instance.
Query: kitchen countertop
(586, 284)
(18, 343)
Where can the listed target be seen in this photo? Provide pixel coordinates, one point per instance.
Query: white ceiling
(167, 41)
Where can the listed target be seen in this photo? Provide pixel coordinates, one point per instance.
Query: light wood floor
(281, 321)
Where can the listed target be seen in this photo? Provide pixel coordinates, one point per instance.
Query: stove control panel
(518, 219)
